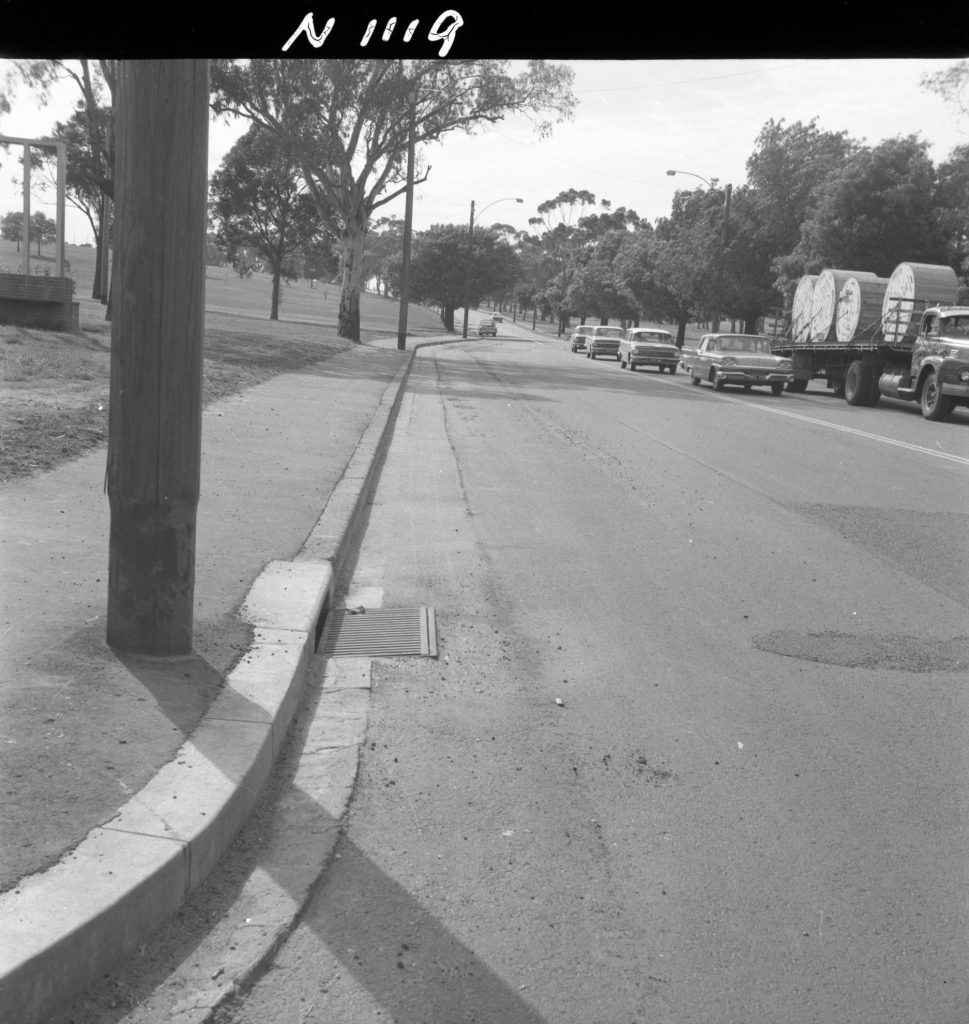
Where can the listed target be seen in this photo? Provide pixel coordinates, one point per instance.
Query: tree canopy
(450, 269)
(347, 124)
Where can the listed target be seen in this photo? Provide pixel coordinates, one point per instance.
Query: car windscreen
(744, 344)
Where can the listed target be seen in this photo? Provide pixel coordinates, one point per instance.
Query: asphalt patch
(869, 650)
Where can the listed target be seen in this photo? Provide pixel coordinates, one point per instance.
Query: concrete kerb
(66, 926)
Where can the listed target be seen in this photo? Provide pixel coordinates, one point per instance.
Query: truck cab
(939, 373)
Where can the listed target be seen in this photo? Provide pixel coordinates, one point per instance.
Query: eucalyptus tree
(259, 202)
(96, 81)
(445, 272)
(878, 209)
(952, 205)
(347, 122)
(84, 179)
(952, 84)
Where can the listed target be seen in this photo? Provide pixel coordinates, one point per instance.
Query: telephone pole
(155, 424)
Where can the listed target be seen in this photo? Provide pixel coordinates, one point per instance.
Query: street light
(467, 273)
(692, 175)
(723, 241)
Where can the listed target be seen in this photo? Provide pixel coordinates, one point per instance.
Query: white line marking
(960, 459)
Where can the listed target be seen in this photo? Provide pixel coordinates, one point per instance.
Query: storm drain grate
(381, 632)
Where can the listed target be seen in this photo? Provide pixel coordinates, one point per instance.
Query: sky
(634, 120)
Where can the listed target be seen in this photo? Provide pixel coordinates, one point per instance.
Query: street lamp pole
(467, 272)
(408, 221)
(723, 240)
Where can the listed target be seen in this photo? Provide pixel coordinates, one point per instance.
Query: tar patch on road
(867, 650)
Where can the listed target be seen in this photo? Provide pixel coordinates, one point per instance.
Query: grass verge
(54, 387)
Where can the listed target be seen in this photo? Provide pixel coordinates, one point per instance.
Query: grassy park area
(54, 386)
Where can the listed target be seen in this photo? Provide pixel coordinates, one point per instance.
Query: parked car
(578, 339)
(744, 359)
(487, 327)
(647, 346)
(603, 341)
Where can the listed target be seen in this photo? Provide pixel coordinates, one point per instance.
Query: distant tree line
(812, 199)
(300, 194)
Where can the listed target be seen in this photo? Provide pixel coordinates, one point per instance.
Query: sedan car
(578, 339)
(498, 318)
(745, 359)
(603, 341)
(487, 327)
(647, 346)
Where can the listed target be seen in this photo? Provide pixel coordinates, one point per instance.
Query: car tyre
(935, 405)
(694, 379)
(673, 369)
(715, 381)
(797, 386)
(777, 389)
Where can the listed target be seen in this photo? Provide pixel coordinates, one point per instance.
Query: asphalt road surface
(695, 745)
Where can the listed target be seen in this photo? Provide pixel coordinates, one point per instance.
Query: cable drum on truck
(824, 302)
(858, 315)
(801, 309)
(912, 287)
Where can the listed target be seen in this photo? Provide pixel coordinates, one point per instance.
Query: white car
(648, 346)
(602, 341)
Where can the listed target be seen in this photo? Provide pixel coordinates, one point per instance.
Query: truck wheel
(857, 383)
(935, 405)
(797, 386)
(874, 367)
(673, 369)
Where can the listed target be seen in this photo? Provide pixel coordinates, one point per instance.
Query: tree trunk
(155, 421)
(447, 315)
(681, 321)
(98, 256)
(274, 309)
(348, 321)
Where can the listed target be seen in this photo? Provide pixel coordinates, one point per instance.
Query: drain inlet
(381, 632)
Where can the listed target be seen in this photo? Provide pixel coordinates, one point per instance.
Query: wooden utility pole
(155, 425)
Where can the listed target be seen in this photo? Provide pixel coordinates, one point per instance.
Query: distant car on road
(647, 346)
(578, 339)
(744, 359)
(498, 318)
(487, 327)
(603, 341)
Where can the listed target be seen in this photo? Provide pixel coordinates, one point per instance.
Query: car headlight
(728, 361)
(785, 365)
(964, 376)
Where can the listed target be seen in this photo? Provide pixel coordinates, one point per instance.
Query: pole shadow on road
(365, 922)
